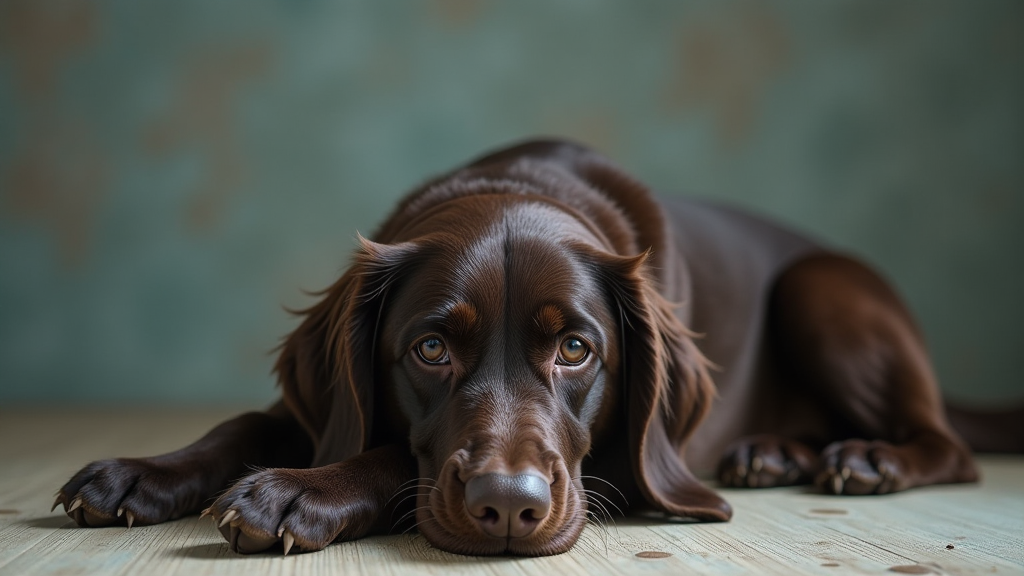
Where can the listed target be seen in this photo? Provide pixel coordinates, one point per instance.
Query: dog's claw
(74, 505)
(120, 512)
(289, 541)
(756, 464)
(837, 484)
(130, 518)
(846, 473)
(57, 502)
(228, 517)
(204, 513)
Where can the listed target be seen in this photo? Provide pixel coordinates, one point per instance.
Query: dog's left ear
(668, 391)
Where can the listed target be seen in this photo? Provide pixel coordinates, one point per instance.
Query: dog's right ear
(668, 391)
(326, 365)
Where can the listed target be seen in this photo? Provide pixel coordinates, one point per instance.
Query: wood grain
(775, 531)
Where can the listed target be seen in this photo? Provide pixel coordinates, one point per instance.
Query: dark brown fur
(821, 375)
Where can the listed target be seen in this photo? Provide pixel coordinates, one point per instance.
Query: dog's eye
(433, 351)
(572, 351)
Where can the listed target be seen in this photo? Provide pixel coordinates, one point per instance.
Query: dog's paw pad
(766, 461)
(859, 467)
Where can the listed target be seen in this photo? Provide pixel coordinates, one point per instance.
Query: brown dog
(535, 332)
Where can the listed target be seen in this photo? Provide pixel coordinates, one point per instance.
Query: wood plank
(775, 531)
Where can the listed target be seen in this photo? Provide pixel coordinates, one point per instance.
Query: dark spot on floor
(652, 554)
(834, 511)
(831, 564)
(949, 546)
(911, 569)
(8, 511)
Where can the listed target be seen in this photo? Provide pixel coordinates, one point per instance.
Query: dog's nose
(506, 505)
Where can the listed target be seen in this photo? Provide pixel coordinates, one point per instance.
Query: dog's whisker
(403, 517)
(400, 492)
(604, 510)
(585, 539)
(600, 517)
(593, 497)
(408, 514)
(601, 499)
(414, 481)
(598, 507)
(399, 505)
(417, 525)
(605, 526)
(594, 519)
(612, 486)
(606, 534)
(407, 488)
(614, 526)
(596, 498)
(603, 518)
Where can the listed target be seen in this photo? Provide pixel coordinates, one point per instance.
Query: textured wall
(172, 173)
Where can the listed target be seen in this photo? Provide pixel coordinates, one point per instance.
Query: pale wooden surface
(780, 531)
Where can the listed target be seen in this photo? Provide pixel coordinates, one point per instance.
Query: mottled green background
(173, 173)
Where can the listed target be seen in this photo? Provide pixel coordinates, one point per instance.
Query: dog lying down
(534, 338)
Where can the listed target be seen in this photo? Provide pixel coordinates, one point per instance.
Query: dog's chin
(471, 542)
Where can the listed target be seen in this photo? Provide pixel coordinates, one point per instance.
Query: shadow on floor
(409, 549)
(49, 522)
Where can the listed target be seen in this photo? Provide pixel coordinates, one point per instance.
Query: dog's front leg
(159, 488)
(312, 507)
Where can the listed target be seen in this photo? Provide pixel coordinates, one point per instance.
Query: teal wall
(173, 173)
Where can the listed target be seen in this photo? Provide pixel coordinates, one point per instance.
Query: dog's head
(501, 332)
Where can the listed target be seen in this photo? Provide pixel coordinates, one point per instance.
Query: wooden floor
(975, 529)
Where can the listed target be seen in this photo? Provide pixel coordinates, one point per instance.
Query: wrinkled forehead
(516, 255)
(473, 219)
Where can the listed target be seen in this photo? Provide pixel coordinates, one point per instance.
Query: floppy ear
(326, 365)
(668, 392)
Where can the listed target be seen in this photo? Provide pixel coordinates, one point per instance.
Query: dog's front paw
(293, 507)
(859, 467)
(766, 461)
(129, 491)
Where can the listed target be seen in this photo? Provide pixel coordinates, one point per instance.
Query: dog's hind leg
(159, 488)
(767, 461)
(838, 329)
